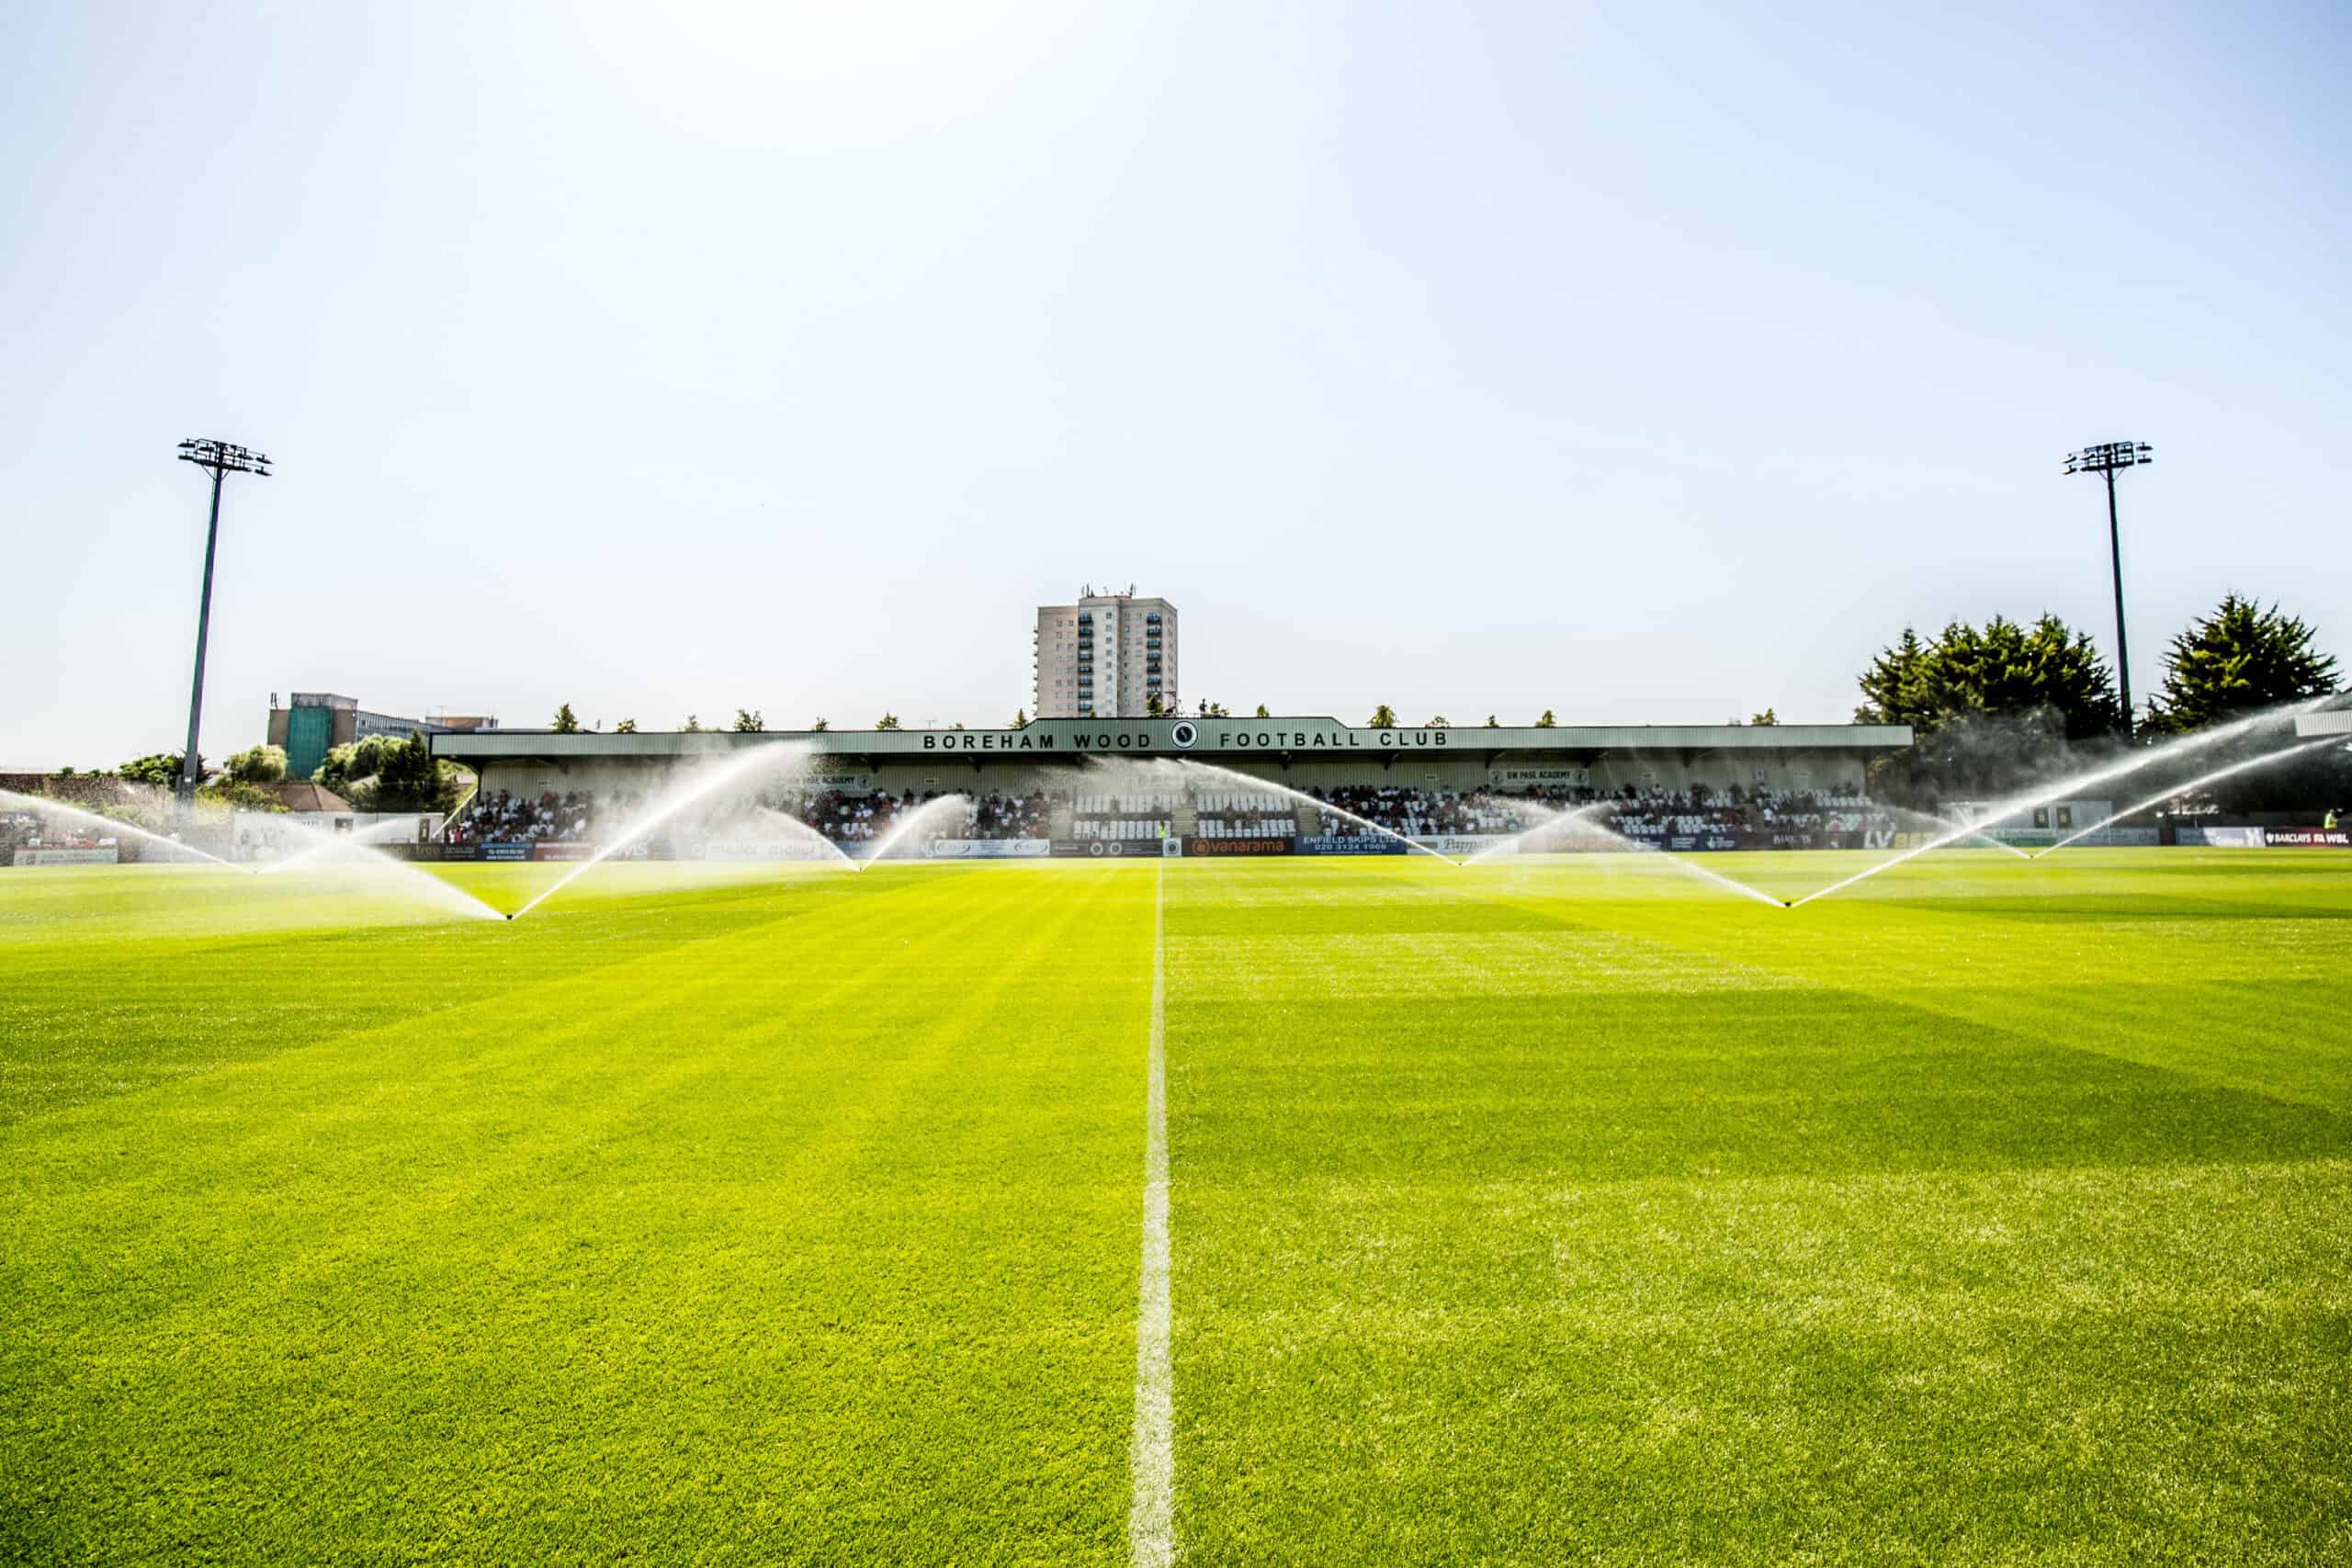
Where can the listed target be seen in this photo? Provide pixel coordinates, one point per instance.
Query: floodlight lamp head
(224, 456)
(2109, 456)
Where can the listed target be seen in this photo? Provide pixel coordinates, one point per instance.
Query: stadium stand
(1009, 816)
(1765, 817)
(1243, 814)
(1757, 817)
(1127, 818)
(504, 818)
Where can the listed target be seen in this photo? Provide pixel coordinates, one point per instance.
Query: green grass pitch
(1538, 1212)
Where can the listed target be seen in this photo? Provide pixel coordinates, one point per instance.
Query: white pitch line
(1151, 1518)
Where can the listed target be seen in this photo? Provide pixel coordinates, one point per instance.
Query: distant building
(1108, 656)
(314, 723)
(300, 794)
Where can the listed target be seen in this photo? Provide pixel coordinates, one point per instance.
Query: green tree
(748, 722)
(1767, 717)
(2238, 660)
(1383, 717)
(1151, 704)
(1492, 723)
(160, 769)
(255, 765)
(1214, 710)
(1895, 686)
(1439, 722)
(386, 772)
(564, 723)
(349, 767)
(626, 727)
(1020, 718)
(407, 779)
(1261, 712)
(693, 725)
(822, 725)
(2010, 669)
(333, 770)
(2244, 660)
(1990, 709)
(239, 795)
(887, 721)
(1547, 721)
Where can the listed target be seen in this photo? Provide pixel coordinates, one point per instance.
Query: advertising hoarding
(1238, 846)
(1538, 778)
(765, 850)
(1350, 844)
(1461, 843)
(2305, 838)
(990, 849)
(68, 857)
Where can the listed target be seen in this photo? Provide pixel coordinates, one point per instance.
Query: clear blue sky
(1644, 362)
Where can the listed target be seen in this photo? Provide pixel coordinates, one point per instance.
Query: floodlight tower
(2107, 460)
(221, 460)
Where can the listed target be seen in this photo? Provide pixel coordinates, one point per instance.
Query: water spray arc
(353, 854)
(792, 828)
(325, 844)
(1250, 783)
(41, 804)
(1572, 816)
(1576, 817)
(1943, 824)
(2216, 776)
(917, 818)
(769, 756)
(2059, 791)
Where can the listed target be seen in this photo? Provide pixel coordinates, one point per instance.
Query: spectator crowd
(504, 818)
(1759, 817)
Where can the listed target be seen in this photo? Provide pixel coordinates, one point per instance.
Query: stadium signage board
(990, 849)
(1539, 750)
(1222, 739)
(1350, 844)
(1238, 846)
(68, 857)
(1462, 843)
(1182, 735)
(2306, 838)
(765, 849)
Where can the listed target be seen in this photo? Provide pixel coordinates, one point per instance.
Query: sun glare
(821, 77)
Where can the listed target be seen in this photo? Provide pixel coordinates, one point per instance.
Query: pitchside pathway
(1314, 1212)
